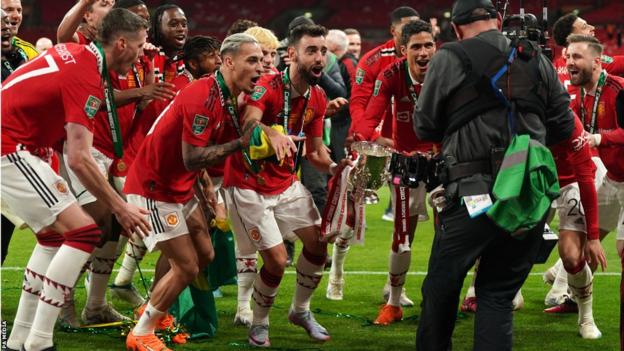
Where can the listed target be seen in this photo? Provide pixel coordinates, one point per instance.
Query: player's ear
(228, 61)
(403, 50)
(122, 42)
(292, 52)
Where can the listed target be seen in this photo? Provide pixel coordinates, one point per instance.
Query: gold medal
(121, 166)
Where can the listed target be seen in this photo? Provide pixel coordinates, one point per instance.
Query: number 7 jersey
(62, 86)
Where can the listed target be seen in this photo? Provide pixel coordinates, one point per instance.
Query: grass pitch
(349, 321)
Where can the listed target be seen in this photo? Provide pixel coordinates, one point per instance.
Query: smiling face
(396, 28)
(419, 50)
(13, 9)
(581, 62)
(174, 29)
(246, 66)
(206, 63)
(309, 55)
(580, 26)
(355, 44)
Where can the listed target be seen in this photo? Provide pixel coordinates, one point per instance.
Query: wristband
(332, 168)
(597, 139)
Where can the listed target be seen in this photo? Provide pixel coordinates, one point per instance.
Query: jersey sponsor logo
(61, 187)
(377, 87)
(258, 93)
(606, 59)
(172, 219)
(92, 106)
(359, 76)
(403, 116)
(579, 142)
(199, 124)
(254, 234)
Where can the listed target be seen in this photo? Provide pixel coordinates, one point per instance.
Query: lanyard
(286, 114)
(592, 126)
(410, 84)
(135, 74)
(111, 110)
(229, 101)
(8, 66)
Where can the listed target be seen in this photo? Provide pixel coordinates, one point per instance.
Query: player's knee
(84, 238)
(188, 271)
(571, 262)
(205, 257)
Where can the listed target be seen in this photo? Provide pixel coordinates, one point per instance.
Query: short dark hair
(126, 4)
(313, 30)
(563, 28)
(155, 33)
(241, 25)
(119, 21)
(198, 45)
(412, 28)
(351, 31)
(402, 12)
(592, 42)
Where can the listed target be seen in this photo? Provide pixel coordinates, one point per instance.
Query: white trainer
(589, 330)
(335, 289)
(244, 316)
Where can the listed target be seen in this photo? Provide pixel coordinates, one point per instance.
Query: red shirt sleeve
(615, 136)
(362, 90)
(83, 97)
(616, 67)
(576, 150)
(263, 95)
(198, 123)
(376, 109)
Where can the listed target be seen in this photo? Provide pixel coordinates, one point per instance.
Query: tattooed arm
(197, 157)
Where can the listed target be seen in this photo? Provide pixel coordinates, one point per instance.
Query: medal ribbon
(592, 126)
(232, 108)
(286, 114)
(410, 84)
(111, 110)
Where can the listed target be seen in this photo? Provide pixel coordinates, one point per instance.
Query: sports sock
(265, 289)
(135, 251)
(101, 269)
(341, 247)
(246, 272)
(399, 265)
(580, 282)
(31, 287)
(560, 284)
(147, 323)
(309, 274)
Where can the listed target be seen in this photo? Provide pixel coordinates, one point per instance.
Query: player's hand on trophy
(385, 142)
(133, 219)
(595, 254)
(335, 168)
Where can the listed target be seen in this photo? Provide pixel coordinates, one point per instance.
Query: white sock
(31, 287)
(101, 269)
(399, 265)
(560, 285)
(59, 281)
(471, 289)
(265, 289)
(246, 272)
(135, 251)
(309, 274)
(581, 285)
(341, 247)
(147, 323)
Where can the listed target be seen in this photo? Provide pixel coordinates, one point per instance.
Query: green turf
(349, 320)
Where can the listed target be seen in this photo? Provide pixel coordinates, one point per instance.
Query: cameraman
(454, 108)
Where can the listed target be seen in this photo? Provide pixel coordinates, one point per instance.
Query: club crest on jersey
(359, 76)
(377, 87)
(309, 114)
(601, 110)
(61, 187)
(258, 93)
(172, 219)
(199, 124)
(254, 234)
(606, 59)
(92, 106)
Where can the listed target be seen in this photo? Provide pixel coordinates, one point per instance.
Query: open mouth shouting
(317, 71)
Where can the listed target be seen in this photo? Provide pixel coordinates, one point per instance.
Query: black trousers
(505, 265)
(7, 232)
(315, 182)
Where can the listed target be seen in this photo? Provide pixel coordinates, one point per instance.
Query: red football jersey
(268, 96)
(368, 68)
(611, 148)
(196, 116)
(40, 97)
(165, 68)
(392, 82)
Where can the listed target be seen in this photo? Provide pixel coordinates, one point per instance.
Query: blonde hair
(264, 37)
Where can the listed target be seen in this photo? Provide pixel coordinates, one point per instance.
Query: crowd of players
(138, 135)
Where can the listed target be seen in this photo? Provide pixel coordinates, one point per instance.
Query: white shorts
(168, 220)
(118, 184)
(601, 171)
(611, 206)
(82, 194)
(32, 190)
(570, 209)
(417, 201)
(258, 221)
(217, 184)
